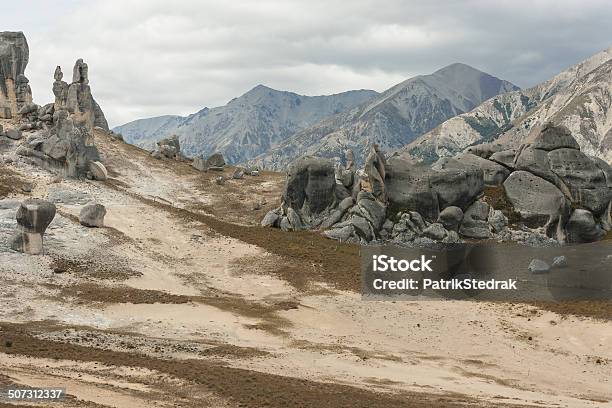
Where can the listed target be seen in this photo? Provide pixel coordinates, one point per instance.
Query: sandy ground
(181, 301)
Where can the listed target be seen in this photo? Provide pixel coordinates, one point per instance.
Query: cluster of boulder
(170, 148)
(34, 216)
(65, 142)
(553, 188)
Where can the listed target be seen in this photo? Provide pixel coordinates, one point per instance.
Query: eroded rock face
(409, 188)
(553, 137)
(77, 98)
(310, 185)
(533, 197)
(33, 218)
(66, 142)
(584, 178)
(15, 91)
(494, 174)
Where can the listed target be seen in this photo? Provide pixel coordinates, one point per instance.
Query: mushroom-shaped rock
(33, 217)
(92, 215)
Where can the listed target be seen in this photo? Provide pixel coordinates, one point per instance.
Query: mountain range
(392, 119)
(579, 98)
(425, 117)
(247, 126)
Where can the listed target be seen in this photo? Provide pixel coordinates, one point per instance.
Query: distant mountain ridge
(393, 118)
(247, 126)
(579, 98)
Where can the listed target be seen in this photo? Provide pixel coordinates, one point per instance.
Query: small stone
(238, 174)
(219, 180)
(435, 231)
(98, 171)
(255, 173)
(27, 188)
(270, 220)
(538, 266)
(13, 134)
(559, 262)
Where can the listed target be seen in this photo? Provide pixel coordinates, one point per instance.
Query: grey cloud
(157, 57)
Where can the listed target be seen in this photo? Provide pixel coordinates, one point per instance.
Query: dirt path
(182, 301)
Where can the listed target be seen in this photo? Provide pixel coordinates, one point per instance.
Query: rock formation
(15, 91)
(33, 218)
(168, 148)
(553, 188)
(66, 143)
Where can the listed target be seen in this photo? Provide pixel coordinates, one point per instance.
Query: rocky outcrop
(68, 144)
(577, 98)
(168, 148)
(15, 91)
(408, 202)
(33, 218)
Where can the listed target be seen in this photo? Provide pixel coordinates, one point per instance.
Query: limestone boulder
(98, 171)
(14, 134)
(33, 217)
(475, 221)
(199, 163)
(456, 184)
(553, 137)
(310, 186)
(484, 150)
(504, 157)
(494, 173)
(408, 188)
(215, 160)
(585, 179)
(270, 220)
(582, 227)
(92, 215)
(451, 218)
(533, 197)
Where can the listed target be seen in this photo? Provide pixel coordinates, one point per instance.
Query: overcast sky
(155, 57)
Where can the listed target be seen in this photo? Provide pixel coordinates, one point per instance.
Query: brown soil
(243, 387)
(598, 309)
(91, 268)
(11, 182)
(267, 312)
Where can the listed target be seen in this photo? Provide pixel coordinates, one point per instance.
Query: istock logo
(384, 263)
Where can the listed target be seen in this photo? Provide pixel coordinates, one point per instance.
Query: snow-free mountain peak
(394, 118)
(247, 126)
